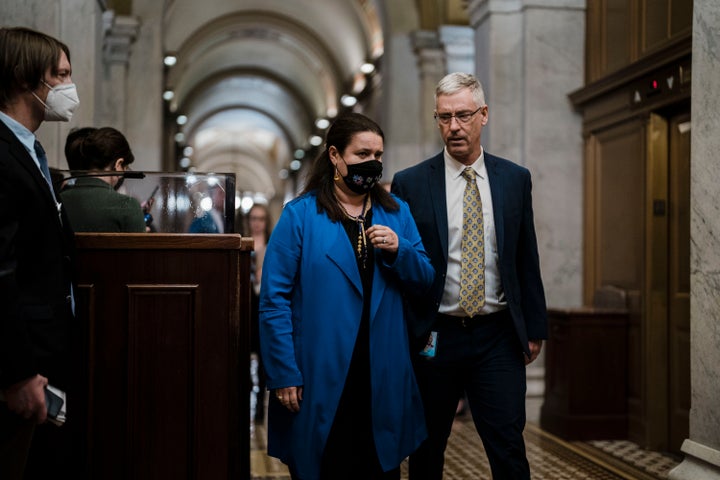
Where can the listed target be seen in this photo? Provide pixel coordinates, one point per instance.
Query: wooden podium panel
(166, 368)
(586, 374)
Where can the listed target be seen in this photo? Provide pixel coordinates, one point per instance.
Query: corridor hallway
(551, 458)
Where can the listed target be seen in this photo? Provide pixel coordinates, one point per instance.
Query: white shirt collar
(26, 137)
(455, 168)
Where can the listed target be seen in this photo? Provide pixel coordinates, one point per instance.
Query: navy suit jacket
(36, 252)
(423, 188)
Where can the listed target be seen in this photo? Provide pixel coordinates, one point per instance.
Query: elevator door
(666, 317)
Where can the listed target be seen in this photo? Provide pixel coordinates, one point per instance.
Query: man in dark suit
(35, 245)
(486, 315)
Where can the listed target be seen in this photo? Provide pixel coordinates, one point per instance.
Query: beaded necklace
(360, 220)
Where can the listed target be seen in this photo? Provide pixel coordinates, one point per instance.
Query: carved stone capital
(119, 33)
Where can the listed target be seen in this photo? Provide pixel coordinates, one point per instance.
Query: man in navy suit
(35, 255)
(478, 345)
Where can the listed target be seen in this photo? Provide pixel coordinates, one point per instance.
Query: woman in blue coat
(344, 401)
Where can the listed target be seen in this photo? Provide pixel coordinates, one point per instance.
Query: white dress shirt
(454, 190)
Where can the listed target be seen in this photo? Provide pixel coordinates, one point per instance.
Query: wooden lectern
(586, 374)
(165, 321)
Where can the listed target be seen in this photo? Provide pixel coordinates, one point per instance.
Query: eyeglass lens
(462, 117)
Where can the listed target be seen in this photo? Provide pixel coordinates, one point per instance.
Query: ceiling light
(247, 203)
(322, 123)
(181, 119)
(295, 165)
(348, 100)
(170, 60)
(206, 204)
(315, 140)
(168, 95)
(367, 68)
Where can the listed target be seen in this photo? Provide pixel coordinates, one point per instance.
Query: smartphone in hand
(55, 403)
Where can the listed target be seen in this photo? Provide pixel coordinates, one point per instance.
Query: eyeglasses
(462, 117)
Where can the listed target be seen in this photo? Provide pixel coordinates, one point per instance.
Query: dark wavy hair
(97, 148)
(320, 178)
(72, 147)
(25, 56)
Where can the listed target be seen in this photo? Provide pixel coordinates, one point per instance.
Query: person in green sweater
(93, 203)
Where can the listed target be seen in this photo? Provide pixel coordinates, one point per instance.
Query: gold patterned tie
(472, 271)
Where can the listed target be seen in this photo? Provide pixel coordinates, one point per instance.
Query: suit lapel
(438, 199)
(497, 189)
(21, 155)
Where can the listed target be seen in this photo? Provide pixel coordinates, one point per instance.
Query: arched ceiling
(252, 78)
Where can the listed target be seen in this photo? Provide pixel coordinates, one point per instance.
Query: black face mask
(362, 177)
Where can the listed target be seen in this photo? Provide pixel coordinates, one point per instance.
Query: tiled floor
(654, 464)
(550, 458)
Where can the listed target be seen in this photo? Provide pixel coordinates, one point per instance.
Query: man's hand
(27, 398)
(535, 347)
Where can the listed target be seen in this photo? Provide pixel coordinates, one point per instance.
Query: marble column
(431, 63)
(119, 33)
(144, 105)
(529, 57)
(498, 62)
(458, 43)
(702, 449)
(399, 93)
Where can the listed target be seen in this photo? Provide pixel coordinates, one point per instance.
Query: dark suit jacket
(35, 272)
(423, 188)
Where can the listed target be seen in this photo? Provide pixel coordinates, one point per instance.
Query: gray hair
(454, 82)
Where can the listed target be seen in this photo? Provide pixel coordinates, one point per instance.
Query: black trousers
(16, 436)
(38, 452)
(483, 358)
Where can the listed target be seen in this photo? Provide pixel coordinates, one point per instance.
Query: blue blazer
(423, 188)
(311, 300)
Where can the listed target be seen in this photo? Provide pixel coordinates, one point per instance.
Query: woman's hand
(290, 397)
(27, 398)
(383, 237)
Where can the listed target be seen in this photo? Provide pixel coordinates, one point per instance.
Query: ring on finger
(384, 240)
